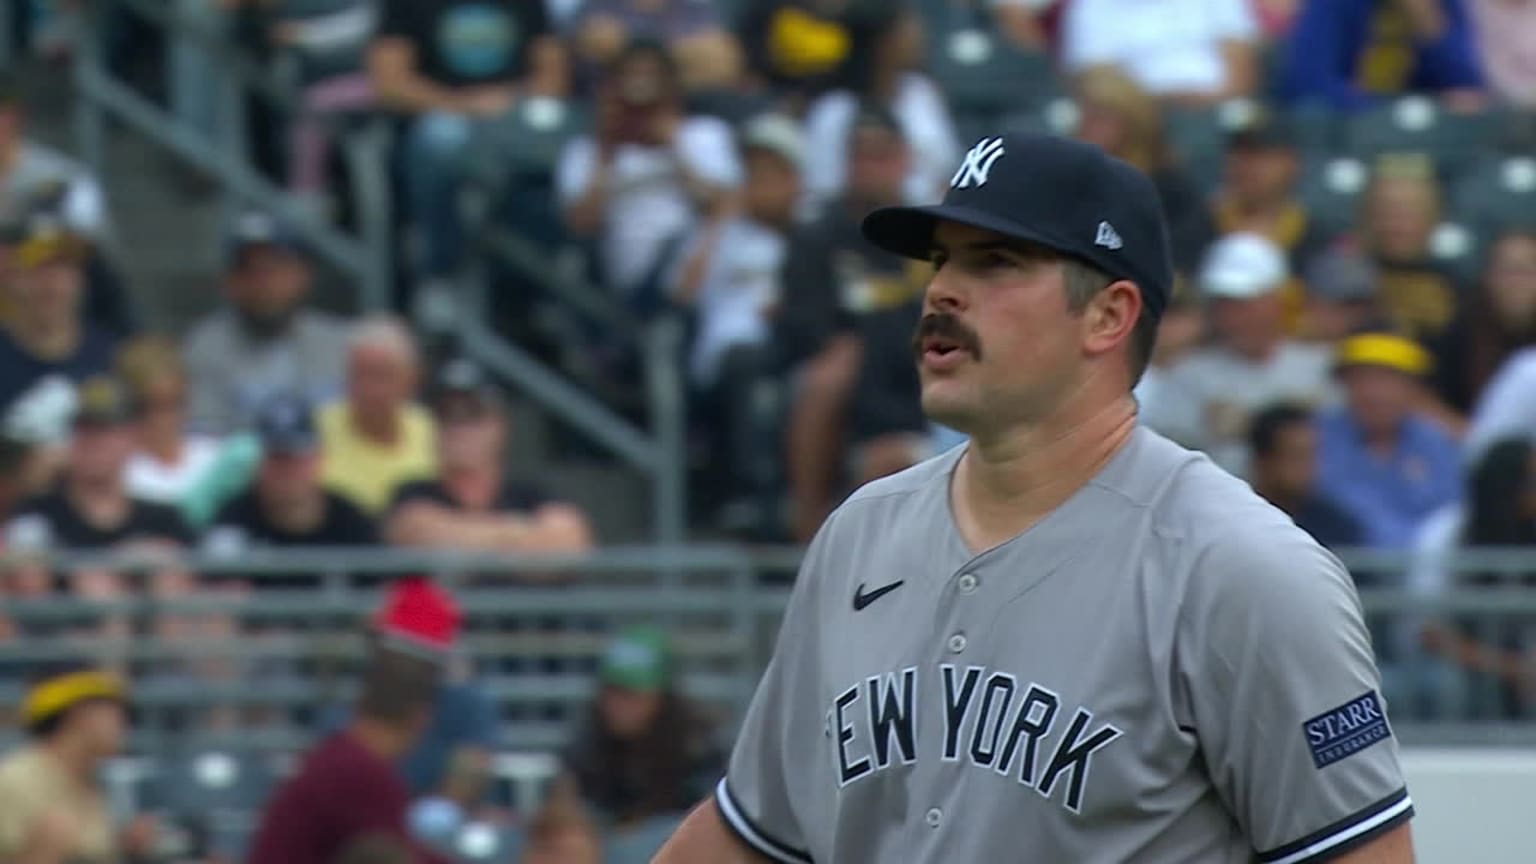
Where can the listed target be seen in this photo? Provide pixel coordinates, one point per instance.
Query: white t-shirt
(919, 108)
(647, 204)
(1167, 45)
(1507, 408)
(741, 281)
(1181, 402)
(152, 480)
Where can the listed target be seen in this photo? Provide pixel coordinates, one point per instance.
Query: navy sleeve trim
(1346, 833)
(751, 834)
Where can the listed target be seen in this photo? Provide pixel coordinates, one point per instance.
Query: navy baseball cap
(1062, 194)
(255, 228)
(285, 423)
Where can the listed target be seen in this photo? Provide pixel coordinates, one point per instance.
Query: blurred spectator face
(1288, 470)
(901, 47)
(379, 379)
(284, 479)
(101, 725)
(772, 189)
(99, 452)
(1512, 282)
(1259, 176)
(49, 292)
(628, 714)
(1103, 127)
(267, 285)
(877, 166)
(1181, 328)
(1379, 398)
(1250, 326)
(1119, 117)
(642, 86)
(471, 435)
(1402, 212)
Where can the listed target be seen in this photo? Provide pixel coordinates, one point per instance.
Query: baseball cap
(1243, 266)
(463, 390)
(1383, 350)
(57, 693)
(1341, 274)
(638, 659)
(43, 234)
(285, 424)
(1063, 194)
(777, 134)
(1260, 129)
(101, 401)
(419, 616)
(256, 228)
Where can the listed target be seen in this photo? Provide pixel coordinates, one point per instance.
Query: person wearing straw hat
(52, 807)
(1389, 465)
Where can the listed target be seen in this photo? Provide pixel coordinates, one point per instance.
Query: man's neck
(78, 762)
(1008, 482)
(162, 442)
(47, 340)
(297, 517)
(473, 487)
(382, 427)
(101, 503)
(380, 739)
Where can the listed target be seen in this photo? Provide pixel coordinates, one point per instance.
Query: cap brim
(908, 231)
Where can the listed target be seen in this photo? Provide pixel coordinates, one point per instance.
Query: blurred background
(560, 307)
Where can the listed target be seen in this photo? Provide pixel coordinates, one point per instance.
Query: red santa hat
(418, 616)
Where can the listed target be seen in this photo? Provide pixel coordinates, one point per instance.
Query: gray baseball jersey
(1164, 669)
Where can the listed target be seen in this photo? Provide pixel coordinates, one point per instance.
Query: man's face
(1402, 216)
(102, 724)
(1103, 127)
(50, 292)
(1259, 176)
(877, 166)
(1379, 399)
(999, 342)
(772, 188)
(628, 714)
(288, 478)
(1290, 469)
(1250, 326)
(268, 283)
(471, 439)
(99, 452)
(379, 379)
(1512, 282)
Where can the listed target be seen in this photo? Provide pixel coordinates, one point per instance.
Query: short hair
(398, 684)
(1083, 282)
(387, 332)
(1265, 427)
(647, 49)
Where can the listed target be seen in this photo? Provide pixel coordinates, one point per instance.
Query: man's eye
(994, 261)
(939, 259)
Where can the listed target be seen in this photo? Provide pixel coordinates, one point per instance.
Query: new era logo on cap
(1108, 237)
(978, 164)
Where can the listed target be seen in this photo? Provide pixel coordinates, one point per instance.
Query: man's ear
(1111, 317)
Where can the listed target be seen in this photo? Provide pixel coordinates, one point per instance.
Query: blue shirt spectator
(1383, 462)
(1348, 53)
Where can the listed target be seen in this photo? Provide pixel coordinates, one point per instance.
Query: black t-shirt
(510, 497)
(20, 371)
(342, 525)
(887, 397)
(50, 521)
(467, 42)
(1328, 523)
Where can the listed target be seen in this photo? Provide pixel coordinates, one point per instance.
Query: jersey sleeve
(1285, 697)
(772, 789)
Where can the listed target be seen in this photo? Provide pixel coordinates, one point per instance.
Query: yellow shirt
(366, 473)
(32, 783)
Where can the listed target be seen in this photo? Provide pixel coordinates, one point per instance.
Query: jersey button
(968, 583)
(957, 643)
(933, 817)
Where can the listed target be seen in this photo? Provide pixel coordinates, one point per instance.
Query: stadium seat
(1456, 248)
(984, 74)
(1197, 140)
(211, 796)
(1330, 190)
(1499, 193)
(526, 141)
(1415, 124)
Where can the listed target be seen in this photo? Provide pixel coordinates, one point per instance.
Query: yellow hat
(1385, 350)
(53, 696)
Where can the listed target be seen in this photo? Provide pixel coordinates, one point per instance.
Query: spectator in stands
(1122, 119)
(46, 337)
(895, 82)
(1385, 462)
(1210, 396)
(347, 788)
(1181, 330)
(1258, 194)
(473, 504)
(647, 175)
(265, 340)
(1505, 35)
(377, 438)
(1499, 513)
(286, 506)
(1401, 209)
(1032, 25)
(53, 807)
(801, 48)
(1507, 407)
(837, 290)
(707, 54)
(645, 752)
(1498, 320)
(36, 178)
(1194, 52)
(1283, 441)
(562, 834)
(168, 461)
(1340, 294)
(727, 275)
(453, 66)
(1349, 54)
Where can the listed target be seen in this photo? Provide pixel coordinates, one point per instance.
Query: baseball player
(1070, 640)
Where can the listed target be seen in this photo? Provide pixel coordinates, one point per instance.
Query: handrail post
(89, 119)
(669, 424)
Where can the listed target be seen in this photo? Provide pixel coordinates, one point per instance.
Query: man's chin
(947, 408)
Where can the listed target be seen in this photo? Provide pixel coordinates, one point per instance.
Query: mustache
(942, 325)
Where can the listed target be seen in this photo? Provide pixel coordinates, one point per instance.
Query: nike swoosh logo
(861, 600)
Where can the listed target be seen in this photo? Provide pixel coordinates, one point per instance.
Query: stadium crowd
(1350, 187)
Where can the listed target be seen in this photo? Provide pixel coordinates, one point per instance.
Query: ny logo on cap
(1108, 237)
(978, 164)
